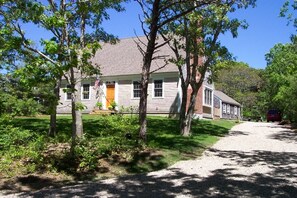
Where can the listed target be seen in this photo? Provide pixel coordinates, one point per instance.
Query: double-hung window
(228, 108)
(207, 97)
(158, 88)
(235, 110)
(224, 108)
(86, 92)
(136, 89)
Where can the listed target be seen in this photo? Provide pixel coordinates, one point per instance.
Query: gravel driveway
(254, 160)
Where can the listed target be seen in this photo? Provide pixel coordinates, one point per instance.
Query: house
(225, 106)
(120, 66)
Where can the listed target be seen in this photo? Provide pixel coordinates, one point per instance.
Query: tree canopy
(281, 77)
(240, 82)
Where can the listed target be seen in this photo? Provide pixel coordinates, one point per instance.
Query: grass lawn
(105, 151)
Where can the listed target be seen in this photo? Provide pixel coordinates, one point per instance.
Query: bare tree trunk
(147, 59)
(53, 124)
(77, 125)
(183, 108)
(53, 117)
(186, 123)
(143, 106)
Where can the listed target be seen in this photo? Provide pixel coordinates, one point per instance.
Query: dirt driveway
(255, 160)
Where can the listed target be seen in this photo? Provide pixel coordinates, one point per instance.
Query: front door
(109, 94)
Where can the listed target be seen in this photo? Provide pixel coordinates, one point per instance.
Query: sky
(265, 30)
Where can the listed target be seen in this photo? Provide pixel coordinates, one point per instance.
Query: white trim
(235, 110)
(180, 93)
(228, 108)
(104, 95)
(153, 88)
(221, 107)
(116, 94)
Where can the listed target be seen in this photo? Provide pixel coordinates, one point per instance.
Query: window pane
(136, 89)
(86, 91)
(158, 88)
(136, 85)
(158, 92)
(136, 94)
(208, 97)
(158, 84)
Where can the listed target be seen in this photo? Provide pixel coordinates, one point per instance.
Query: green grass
(104, 151)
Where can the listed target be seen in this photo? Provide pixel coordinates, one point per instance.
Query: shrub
(20, 149)
(19, 107)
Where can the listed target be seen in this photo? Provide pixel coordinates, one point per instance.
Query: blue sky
(265, 30)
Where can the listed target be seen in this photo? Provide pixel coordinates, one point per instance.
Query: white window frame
(153, 88)
(132, 88)
(224, 108)
(228, 108)
(82, 90)
(210, 97)
(235, 110)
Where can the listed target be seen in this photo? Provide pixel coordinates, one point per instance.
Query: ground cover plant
(110, 146)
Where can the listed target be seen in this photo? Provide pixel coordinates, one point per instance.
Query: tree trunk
(147, 60)
(187, 122)
(77, 125)
(183, 108)
(53, 124)
(53, 117)
(143, 107)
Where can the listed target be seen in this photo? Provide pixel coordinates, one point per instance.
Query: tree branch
(19, 31)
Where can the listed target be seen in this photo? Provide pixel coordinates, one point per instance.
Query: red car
(274, 115)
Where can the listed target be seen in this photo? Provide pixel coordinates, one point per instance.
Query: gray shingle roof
(225, 98)
(124, 58)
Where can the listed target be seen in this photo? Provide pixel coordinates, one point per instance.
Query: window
(158, 88)
(228, 108)
(208, 97)
(68, 92)
(86, 92)
(235, 110)
(224, 108)
(136, 89)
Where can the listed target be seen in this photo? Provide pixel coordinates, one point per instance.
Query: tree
(71, 46)
(289, 11)
(197, 36)
(157, 14)
(240, 82)
(15, 98)
(280, 74)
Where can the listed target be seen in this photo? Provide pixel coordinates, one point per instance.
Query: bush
(18, 107)
(20, 149)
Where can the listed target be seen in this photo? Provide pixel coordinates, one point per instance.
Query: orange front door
(109, 94)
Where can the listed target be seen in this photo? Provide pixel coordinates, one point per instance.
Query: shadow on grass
(278, 181)
(163, 134)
